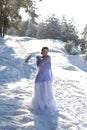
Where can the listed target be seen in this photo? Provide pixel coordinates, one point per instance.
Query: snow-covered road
(17, 86)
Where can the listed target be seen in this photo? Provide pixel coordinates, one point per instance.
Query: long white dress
(44, 98)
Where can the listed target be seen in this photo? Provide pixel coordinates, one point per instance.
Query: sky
(68, 8)
(17, 86)
(76, 9)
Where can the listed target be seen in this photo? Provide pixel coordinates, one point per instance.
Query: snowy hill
(17, 85)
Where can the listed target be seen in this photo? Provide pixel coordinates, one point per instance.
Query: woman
(43, 93)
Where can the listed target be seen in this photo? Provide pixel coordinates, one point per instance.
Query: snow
(17, 86)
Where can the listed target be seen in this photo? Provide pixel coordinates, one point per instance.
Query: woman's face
(44, 52)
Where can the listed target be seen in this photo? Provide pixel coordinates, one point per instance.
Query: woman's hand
(38, 57)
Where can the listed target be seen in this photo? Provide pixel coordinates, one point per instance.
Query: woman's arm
(46, 60)
(38, 60)
(41, 61)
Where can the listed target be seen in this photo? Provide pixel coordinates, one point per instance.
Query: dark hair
(45, 48)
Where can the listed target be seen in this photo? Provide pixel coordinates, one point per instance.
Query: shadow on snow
(12, 69)
(46, 120)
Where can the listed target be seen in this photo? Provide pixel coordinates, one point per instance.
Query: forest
(51, 28)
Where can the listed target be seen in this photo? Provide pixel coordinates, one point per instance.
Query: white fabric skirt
(44, 98)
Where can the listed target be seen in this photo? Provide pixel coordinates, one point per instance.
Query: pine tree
(50, 28)
(9, 13)
(68, 30)
(84, 44)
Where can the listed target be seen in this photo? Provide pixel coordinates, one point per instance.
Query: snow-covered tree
(9, 13)
(41, 31)
(22, 28)
(31, 29)
(12, 31)
(85, 39)
(26, 28)
(85, 33)
(68, 30)
(51, 28)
